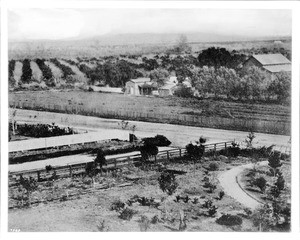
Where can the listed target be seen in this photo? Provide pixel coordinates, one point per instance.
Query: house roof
(140, 80)
(271, 59)
(278, 68)
(147, 85)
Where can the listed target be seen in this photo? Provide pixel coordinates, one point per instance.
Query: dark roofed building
(271, 63)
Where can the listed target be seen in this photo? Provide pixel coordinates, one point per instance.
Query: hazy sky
(66, 23)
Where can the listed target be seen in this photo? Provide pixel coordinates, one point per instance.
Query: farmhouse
(271, 63)
(139, 86)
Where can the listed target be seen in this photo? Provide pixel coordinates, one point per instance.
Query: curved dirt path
(229, 182)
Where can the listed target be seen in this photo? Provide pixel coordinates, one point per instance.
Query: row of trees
(26, 71)
(46, 71)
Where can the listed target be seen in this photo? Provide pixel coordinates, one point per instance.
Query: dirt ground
(88, 206)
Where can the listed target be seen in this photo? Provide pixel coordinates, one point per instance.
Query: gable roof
(140, 80)
(271, 59)
(278, 68)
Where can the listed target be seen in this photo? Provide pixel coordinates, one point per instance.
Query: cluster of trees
(46, 71)
(253, 84)
(113, 73)
(26, 71)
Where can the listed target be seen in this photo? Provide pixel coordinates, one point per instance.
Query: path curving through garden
(229, 180)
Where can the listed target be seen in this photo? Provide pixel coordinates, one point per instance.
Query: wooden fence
(112, 164)
(259, 125)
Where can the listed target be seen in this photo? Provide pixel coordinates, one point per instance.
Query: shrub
(212, 211)
(274, 162)
(148, 150)
(154, 219)
(26, 71)
(260, 182)
(183, 91)
(100, 159)
(213, 166)
(229, 220)
(144, 223)
(194, 151)
(127, 214)
(207, 204)
(117, 205)
(158, 140)
(221, 195)
(167, 182)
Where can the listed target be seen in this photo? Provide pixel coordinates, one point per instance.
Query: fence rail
(114, 163)
(269, 125)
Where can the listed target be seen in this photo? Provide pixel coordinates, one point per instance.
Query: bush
(158, 140)
(144, 223)
(213, 166)
(221, 195)
(26, 71)
(229, 220)
(167, 182)
(183, 91)
(148, 150)
(194, 151)
(117, 205)
(127, 214)
(260, 182)
(212, 211)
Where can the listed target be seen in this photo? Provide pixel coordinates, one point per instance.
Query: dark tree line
(46, 71)
(26, 71)
(11, 68)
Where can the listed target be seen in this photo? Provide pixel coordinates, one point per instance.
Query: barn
(271, 63)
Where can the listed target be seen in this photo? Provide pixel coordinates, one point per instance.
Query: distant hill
(115, 44)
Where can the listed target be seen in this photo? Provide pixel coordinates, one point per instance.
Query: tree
(274, 162)
(182, 45)
(183, 91)
(100, 159)
(280, 87)
(261, 183)
(217, 57)
(195, 152)
(148, 150)
(30, 185)
(167, 182)
(91, 171)
(159, 76)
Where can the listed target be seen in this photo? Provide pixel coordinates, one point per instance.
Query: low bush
(167, 182)
(117, 205)
(213, 166)
(127, 214)
(229, 220)
(158, 140)
(260, 182)
(221, 195)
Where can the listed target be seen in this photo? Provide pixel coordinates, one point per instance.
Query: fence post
(128, 160)
(179, 152)
(70, 168)
(115, 162)
(215, 147)
(38, 176)
(225, 146)
(155, 159)
(168, 157)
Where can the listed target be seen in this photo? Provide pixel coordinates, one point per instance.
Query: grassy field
(169, 106)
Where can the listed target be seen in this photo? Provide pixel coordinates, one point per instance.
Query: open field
(265, 118)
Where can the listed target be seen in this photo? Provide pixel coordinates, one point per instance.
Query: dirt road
(228, 181)
(179, 135)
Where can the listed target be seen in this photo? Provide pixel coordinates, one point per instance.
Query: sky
(26, 24)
